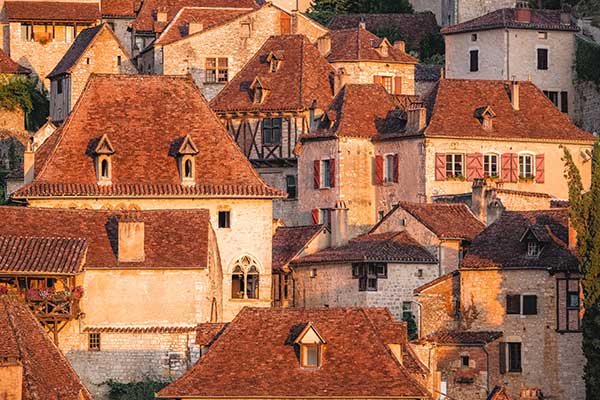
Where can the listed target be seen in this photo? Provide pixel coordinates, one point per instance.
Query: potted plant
(526, 179)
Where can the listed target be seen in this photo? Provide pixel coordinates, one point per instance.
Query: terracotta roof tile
(145, 131)
(207, 333)
(51, 11)
(412, 27)
(507, 18)
(140, 329)
(46, 372)
(79, 46)
(500, 245)
(463, 337)
(175, 239)
(255, 348)
(303, 77)
(499, 393)
(118, 8)
(453, 103)
(8, 66)
(397, 247)
(288, 242)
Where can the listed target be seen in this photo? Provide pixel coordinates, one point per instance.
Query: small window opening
(188, 169)
(119, 60)
(104, 169)
(224, 219)
(94, 341)
(464, 361)
(87, 60)
(311, 355)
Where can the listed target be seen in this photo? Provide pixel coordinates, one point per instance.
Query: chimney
(339, 80)
(572, 235)
(514, 94)
(11, 379)
(565, 18)
(131, 239)
(400, 46)
(339, 224)
(28, 162)
(531, 394)
(161, 16)
(324, 45)
(523, 12)
(416, 116)
(478, 199)
(194, 27)
(362, 25)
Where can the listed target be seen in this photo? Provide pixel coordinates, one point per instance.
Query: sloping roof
(8, 66)
(51, 11)
(145, 131)
(209, 18)
(507, 18)
(146, 18)
(176, 239)
(208, 332)
(46, 372)
(261, 361)
(445, 220)
(55, 255)
(119, 8)
(500, 245)
(452, 104)
(396, 247)
(288, 242)
(303, 77)
(412, 27)
(499, 393)
(358, 44)
(457, 337)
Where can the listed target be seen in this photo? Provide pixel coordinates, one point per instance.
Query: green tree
(324, 10)
(25, 92)
(585, 218)
(142, 390)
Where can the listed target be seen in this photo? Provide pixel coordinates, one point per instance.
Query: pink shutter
(377, 79)
(440, 166)
(505, 166)
(514, 167)
(539, 168)
(332, 173)
(474, 166)
(317, 174)
(315, 215)
(396, 168)
(397, 85)
(378, 170)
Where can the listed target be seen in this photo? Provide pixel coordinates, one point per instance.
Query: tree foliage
(142, 390)
(324, 10)
(25, 93)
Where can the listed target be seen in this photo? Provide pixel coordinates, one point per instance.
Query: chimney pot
(28, 162)
(324, 45)
(400, 45)
(339, 224)
(478, 199)
(565, 18)
(161, 16)
(339, 80)
(131, 240)
(362, 25)
(523, 13)
(416, 117)
(515, 94)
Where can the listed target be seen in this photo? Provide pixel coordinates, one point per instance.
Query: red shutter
(514, 167)
(539, 168)
(377, 79)
(397, 85)
(505, 166)
(315, 215)
(396, 168)
(378, 170)
(440, 166)
(317, 174)
(332, 173)
(474, 166)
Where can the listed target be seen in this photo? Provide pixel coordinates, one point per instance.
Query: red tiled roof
(118, 8)
(8, 66)
(52, 11)
(176, 239)
(146, 18)
(257, 347)
(507, 18)
(454, 102)
(207, 333)
(499, 393)
(46, 372)
(288, 242)
(210, 18)
(358, 44)
(146, 132)
(140, 329)
(396, 247)
(42, 254)
(500, 245)
(412, 27)
(303, 77)
(463, 337)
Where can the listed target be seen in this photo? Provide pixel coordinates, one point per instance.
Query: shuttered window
(529, 305)
(454, 165)
(440, 166)
(513, 304)
(514, 357)
(378, 178)
(271, 131)
(474, 166)
(542, 59)
(510, 167)
(539, 168)
(474, 60)
(490, 166)
(317, 174)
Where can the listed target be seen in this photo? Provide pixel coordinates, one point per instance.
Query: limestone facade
(365, 71)
(448, 12)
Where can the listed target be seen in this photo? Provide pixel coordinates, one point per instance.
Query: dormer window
(103, 155)
(260, 91)
(186, 156)
(384, 48)
(311, 356)
(311, 345)
(274, 60)
(533, 249)
(485, 115)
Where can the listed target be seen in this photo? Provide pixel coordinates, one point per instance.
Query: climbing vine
(587, 59)
(142, 390)
(27, 94)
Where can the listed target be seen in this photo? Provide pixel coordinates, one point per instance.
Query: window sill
(247, 300)
(290, 200)
(214, 83)
(325, 188)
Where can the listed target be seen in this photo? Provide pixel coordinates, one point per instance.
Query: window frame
(533, 245)
(269, 130)
(542, 63)
(291, 189)
(388, 168)
(224, 223)
(304, 348)
(569, 304)
(451, 162)
(325, 171)
(213, 71)
(94, 341)
(509, 357)
(474, 59)
(243, 268)
(59, 86)
(387, 81)
(368, 275)
(487, 170)
(531, 157)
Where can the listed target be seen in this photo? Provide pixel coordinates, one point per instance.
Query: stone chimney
(131, 239)
(572, 235)
(339, 224)
(339, 80)
(194, 27)
(531, 394)
(28, 162)
(11, 379)
(523, 12)
(478, 199)
(161, 16)
(324, 45)
(362, 25)
(514, 94)
(416, 117)
(400, 45)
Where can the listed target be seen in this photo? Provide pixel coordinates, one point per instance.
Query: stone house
(519, 278)
(365, 58)
(274, 100)
(119, 291)
(358, 353)
(38, 34)
(32, 366)
(448, 12)
(517, 43)
(163, 150)
(119, 15)
(10, 69)
(95, 50)
(426, 76)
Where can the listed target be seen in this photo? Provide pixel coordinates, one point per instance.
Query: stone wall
(363, 72)
(438, 306)
(469, 9)
(587, 106)
(12, 119)
(283, 209)
(121, 26)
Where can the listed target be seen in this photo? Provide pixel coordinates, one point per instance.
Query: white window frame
(485, 170)
(391, 78)
(325, 177)
(463, 160)
(527, 154)
(540, 46)
(388, 170)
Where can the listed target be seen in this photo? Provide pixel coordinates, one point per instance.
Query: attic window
(274, 65)
(311, 356)
(103, 154)
(186, 156)
(533, 249)
(311, 345)
(274, 61)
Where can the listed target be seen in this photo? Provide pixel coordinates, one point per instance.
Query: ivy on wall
(142, 390)
(587, 60)
(25, 92)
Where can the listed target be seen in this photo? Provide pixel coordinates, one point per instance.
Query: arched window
(245, 278)
(104, 169)
(188, 169)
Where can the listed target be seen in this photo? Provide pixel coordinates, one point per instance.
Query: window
(188, 169)
(325, 217)
(271, 131)
(573, 300)
(533, 249)
(27, 32)
(473, 37)
(454, 165)
(406, 310)
(389, 170)
(325, 173)
(474, 60)
(224, 219)
(216, 70)
(387, 83)
(368, 274)
(526, 166)
(94, 341)
(464, 361)
(274, 65)
(490, 165)
(104, 169)
(380, 214)
(59, 86)
(542, 59)
(529, 304)
(514, 357)
(87, 60)
(311, 355)
(543, 35)
(517, 304)
(119, 60)
(564, 102)
(245, 279)
(291, 186)
(419, 273)
(245, 30)
(69, 33)
(513, 304)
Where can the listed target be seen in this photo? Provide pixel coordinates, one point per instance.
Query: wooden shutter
(529, 305)
(539, 168)
(317, 174)
(286, 23)
(510, 167)
(397, 85)
(315, 215)
(396, 171)
(502, 357)
(332, 173)
(440, 166)
(474, 166)
(378, 170)
(378, 79)
(513, 304)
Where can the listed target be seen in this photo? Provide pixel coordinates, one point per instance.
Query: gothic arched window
(245, 278)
